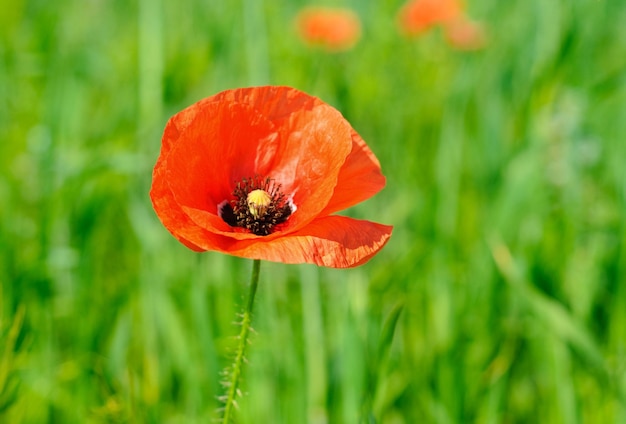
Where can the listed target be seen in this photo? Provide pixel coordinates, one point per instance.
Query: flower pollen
(258, 201)
(258, 206)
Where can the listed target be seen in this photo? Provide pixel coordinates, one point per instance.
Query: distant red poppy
(332, 29)
(417, 16)
(257, 173)
(466, 34)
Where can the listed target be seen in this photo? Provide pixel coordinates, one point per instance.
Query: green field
(500, 298)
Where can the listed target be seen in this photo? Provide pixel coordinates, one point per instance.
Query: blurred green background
(501, 297)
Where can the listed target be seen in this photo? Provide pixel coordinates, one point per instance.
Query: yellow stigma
(258, 202)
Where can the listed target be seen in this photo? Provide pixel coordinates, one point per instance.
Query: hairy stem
(233, 382)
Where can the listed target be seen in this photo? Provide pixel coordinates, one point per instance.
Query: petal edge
(332, 241)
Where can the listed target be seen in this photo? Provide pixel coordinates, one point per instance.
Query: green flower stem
(235, 374)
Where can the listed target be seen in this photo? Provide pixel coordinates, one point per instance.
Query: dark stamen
(237, 213)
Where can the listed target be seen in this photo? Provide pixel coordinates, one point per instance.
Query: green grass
(501, 297)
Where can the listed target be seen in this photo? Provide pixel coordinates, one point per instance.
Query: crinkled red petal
(217, 149)
(315, 142)
(359, 179)
(332, 241)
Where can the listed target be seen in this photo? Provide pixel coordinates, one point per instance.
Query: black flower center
(258, 205)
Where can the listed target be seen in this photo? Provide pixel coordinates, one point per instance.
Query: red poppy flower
(417, 16)
(465, 34)
(332, 29)
(258, 172)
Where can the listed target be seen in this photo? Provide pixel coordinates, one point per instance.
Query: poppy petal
(334, 29)
(309, 162)
(332, 241)
(209, 156)
(200, 159)
(315, 140)
(277, 103)
(359, 179)
(173, 217)
(417, 16)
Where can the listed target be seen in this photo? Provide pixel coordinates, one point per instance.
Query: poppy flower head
(259, 172)
(465, 34)
(332, 29)
(417, 16)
